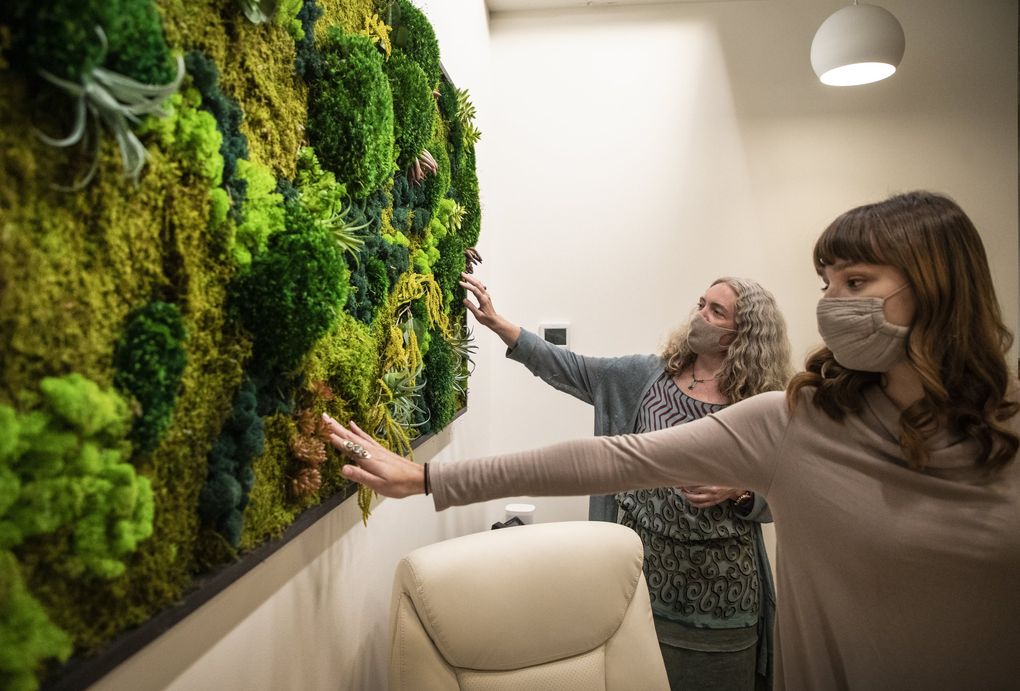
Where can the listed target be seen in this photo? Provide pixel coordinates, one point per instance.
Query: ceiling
(524, 5)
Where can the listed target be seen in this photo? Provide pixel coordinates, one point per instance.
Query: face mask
(856, 332)
(703, 337)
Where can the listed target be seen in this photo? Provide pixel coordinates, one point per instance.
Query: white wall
(629, 156)
(638, 153)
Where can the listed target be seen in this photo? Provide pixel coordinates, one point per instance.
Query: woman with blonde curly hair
(890, 463)
(705, 562)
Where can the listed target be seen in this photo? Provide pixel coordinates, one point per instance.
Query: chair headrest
(526, 595)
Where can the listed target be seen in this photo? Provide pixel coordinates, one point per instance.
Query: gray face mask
(856, 332)
(703, 337)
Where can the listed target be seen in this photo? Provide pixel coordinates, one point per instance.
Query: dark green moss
(229, 477)
(376, 268)
(149, 361)
(61, 37)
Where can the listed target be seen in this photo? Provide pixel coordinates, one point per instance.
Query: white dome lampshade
(858, 44)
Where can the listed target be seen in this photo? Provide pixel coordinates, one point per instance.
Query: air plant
(116, 101)
(421, 167)
(466, 115)
(258, 11)
(464, 346)
(404, 400)
(348, 236)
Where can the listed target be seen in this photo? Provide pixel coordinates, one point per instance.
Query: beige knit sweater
(888, 578)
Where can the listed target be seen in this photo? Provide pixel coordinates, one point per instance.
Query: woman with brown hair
(889, 464)
(706, 567)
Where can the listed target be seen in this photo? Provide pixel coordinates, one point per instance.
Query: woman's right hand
(485, 313)
(374, 466)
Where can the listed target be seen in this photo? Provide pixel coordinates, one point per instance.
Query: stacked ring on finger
(357, 449)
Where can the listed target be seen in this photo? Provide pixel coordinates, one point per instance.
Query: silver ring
(356, 449)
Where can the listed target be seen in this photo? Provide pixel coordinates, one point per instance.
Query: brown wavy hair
(958, 341)
(758, 359)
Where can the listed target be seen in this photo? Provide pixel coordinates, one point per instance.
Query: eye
(855, 283)
(824, 287)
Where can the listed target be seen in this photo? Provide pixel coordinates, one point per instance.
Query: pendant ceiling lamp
(858, 44)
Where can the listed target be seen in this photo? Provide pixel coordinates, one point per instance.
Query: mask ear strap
(905, 285)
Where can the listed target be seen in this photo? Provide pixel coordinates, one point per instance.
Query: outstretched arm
(737, 447)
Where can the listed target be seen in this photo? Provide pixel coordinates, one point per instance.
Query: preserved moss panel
(265, 261)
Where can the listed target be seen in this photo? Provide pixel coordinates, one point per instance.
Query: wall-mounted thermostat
(556, 333)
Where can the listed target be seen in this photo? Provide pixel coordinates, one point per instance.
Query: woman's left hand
(375, 467)
(704, 496)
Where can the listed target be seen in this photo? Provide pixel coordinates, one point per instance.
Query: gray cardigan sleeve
(577, 375)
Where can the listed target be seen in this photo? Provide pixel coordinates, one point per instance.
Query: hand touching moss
(374, 466)
(485, 313)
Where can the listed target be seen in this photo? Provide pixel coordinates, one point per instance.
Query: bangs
(854, 237)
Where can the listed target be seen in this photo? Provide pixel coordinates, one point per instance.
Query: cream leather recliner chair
(555, 606)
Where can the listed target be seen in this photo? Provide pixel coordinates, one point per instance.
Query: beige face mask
(703, 337)
(856, 332)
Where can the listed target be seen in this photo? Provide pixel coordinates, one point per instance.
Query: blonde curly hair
(758, 359)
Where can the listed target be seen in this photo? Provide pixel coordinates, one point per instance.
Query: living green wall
(219, 219)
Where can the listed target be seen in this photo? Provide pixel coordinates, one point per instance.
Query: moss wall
(218, 220)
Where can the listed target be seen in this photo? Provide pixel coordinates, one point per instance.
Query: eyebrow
(713, 304)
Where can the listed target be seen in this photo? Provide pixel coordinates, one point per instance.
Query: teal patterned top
(700, 564)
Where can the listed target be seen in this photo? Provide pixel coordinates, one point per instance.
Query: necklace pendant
(690, 387)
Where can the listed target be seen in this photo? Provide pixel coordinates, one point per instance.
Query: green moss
(150, 359)
(292, 293)
(350, 114)
(448, 111)
(347, 361)
(269, 509)
(27, 635)
(256, 71)
(434, 187)
(376, 268)
(62, 38)
(441, 365)
(229, 476)
(413, 107)
(414, 37)
(287, 17)
(349, 15)
(262, 213)
(464, 189)
(190, 136)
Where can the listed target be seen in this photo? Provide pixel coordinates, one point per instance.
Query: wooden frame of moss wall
(270, 207)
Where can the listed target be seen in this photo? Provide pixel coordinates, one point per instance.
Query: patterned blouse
(699, 563)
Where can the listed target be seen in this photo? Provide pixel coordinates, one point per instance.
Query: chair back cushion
(553, 605)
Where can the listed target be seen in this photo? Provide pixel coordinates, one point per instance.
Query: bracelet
(743, 498)
(427, 487)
